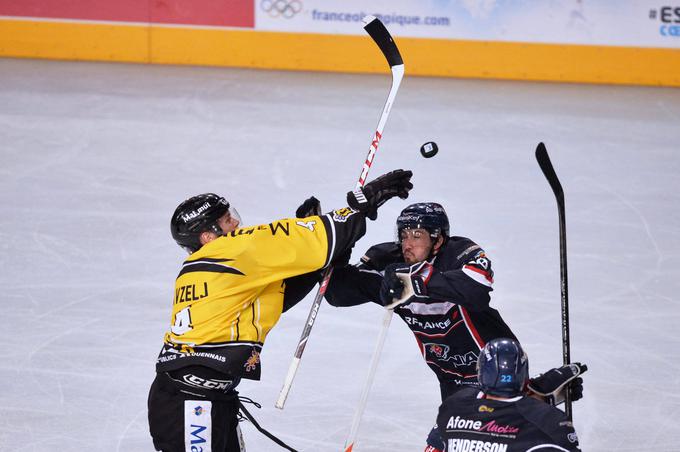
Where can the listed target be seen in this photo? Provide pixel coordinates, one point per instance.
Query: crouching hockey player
(450, 279)
(228, 295)
(503, 413)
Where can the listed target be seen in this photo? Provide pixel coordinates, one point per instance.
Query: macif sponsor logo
(197, 437)
(197, 426)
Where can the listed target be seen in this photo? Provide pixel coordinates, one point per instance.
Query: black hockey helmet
(196, 215)
(424, 215)
(503, 368)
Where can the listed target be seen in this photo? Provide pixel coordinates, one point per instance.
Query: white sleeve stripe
(331, 251)
(477, 277)
(375, 272)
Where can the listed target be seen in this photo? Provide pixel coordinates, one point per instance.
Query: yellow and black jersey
(229, 294)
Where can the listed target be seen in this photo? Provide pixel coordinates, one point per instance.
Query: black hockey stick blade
(549, 172)
(376, 29)
(551, 176)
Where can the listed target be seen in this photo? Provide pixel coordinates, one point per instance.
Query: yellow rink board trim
(74, 41)
(338, 53)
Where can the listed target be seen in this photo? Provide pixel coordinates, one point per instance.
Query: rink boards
(201, 36)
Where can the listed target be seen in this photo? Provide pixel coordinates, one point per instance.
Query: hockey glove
(435, 442)
(402, 282)
(377, 192)
(551, 385)
(392, 285)
(310, 207)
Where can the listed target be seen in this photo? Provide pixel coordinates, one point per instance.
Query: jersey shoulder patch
(341, 215)
(479, 268)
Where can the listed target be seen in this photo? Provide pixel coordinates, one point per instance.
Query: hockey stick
(384, 40)
(549, 172)
(387, 319)
(351, 438)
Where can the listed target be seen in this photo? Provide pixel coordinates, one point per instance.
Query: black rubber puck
(429, 149)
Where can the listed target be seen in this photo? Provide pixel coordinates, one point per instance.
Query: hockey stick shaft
(387, 319)
(549, 173)
(406, 295)
(384, 40)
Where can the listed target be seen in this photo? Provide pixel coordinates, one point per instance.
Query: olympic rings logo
(281, 8)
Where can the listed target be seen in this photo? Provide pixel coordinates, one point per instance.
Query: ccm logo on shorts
(197, 426)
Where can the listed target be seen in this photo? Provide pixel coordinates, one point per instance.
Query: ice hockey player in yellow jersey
(229, 294)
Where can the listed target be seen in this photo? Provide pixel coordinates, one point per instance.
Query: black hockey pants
(181, 417)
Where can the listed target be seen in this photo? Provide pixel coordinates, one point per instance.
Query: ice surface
(95, 157)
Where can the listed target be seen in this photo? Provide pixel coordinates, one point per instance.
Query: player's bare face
(227, 223)
(416, 245)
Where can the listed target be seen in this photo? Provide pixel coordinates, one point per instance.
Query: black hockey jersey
(468, 421)
(453, 323)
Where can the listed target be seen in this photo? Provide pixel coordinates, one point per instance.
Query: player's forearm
(350, 286)
(298, 287)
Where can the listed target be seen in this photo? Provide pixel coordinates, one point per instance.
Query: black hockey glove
(402, 282)
(551, 385)
(392, 285)
(377, 192)
(310, 207)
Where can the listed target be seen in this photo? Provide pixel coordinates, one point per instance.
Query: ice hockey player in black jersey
(229, 294)
(504, 414)
(446, 302)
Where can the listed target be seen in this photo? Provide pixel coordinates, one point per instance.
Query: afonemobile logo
(281, 8)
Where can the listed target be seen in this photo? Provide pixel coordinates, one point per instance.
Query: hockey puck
(429, 149)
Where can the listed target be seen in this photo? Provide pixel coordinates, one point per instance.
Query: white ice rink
(95, 157)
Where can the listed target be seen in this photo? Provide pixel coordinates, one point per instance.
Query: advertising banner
(636, 23)
(216, 13)
(588, 41)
